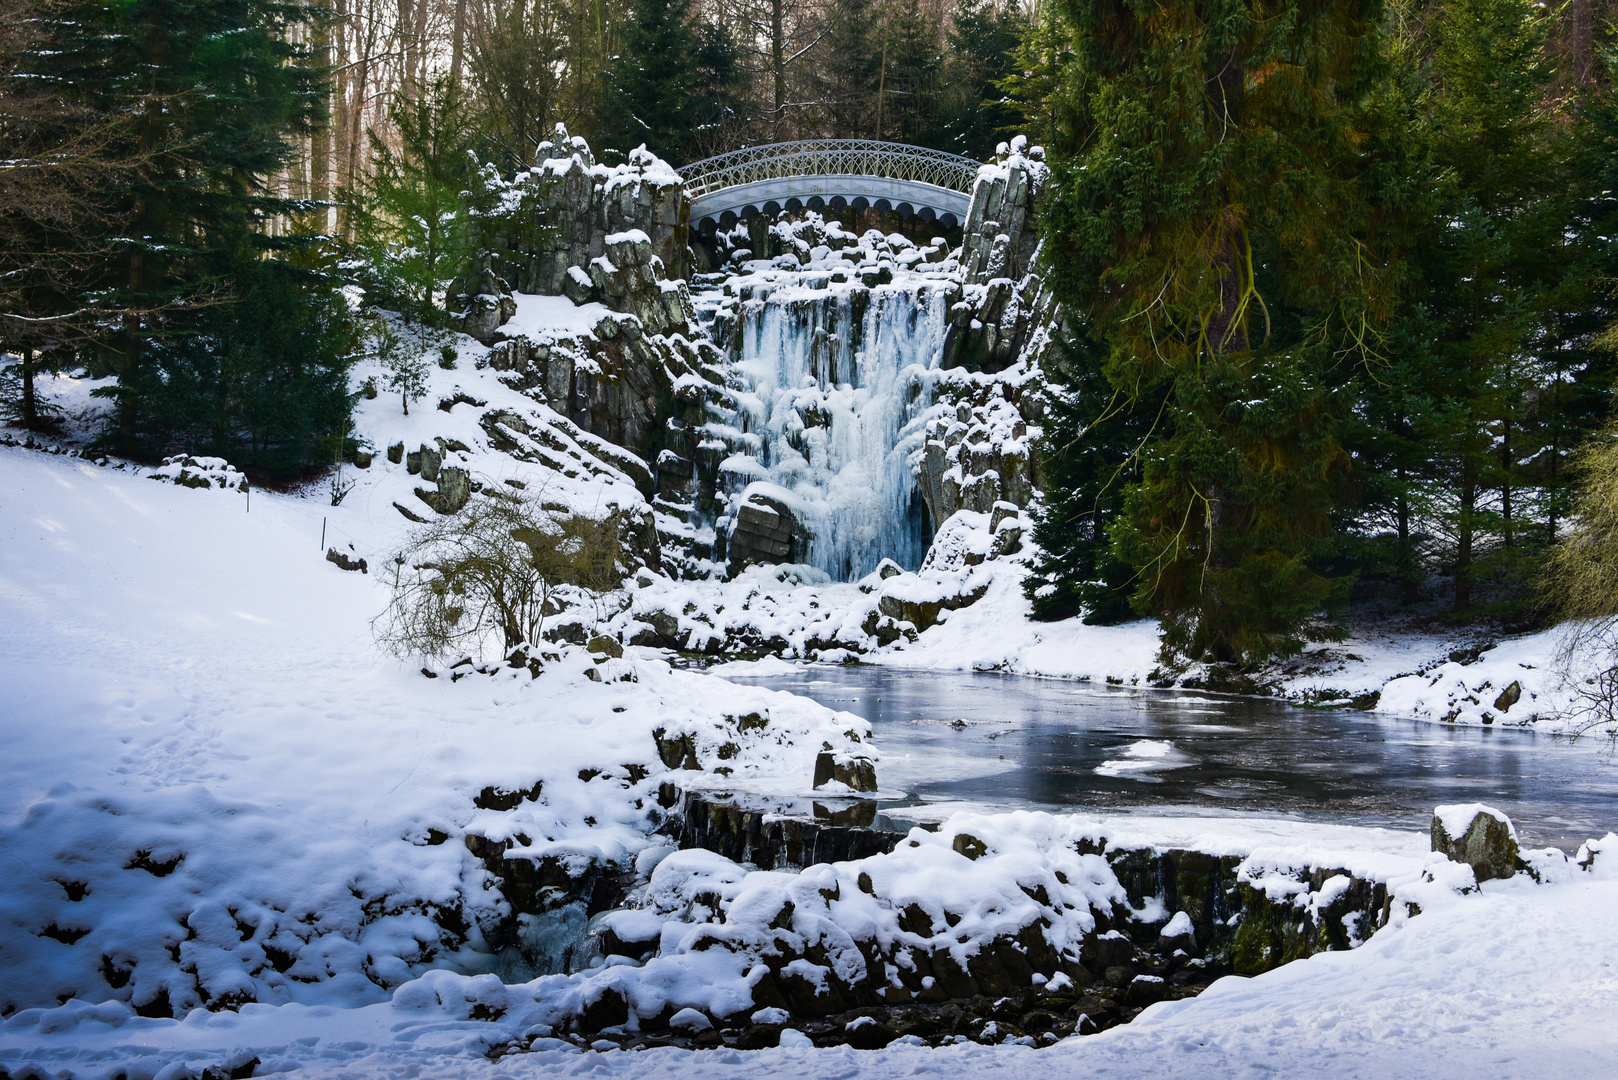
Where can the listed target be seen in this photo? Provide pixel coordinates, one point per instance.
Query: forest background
(1337, 274)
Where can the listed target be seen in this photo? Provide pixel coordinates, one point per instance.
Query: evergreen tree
(974, 112)
(847, 72)
(213, 91)
(1090, 459)
(650, 85)
(909, 77)
(719, 108)
(1477, 340)
(413, 226)
(1212, 230)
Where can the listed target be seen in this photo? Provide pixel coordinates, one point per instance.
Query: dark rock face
(486, 305)
(617, 384)
(1486, 841)
(630, 279)
(580, 204)
(771, 841)
(998, 240)
(343, 562)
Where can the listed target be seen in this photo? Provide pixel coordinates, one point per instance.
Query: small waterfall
(831, 386)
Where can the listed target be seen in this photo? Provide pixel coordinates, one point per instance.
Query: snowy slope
(215, 787)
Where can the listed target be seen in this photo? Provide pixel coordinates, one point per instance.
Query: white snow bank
(215, 788)
(1514, 981)
(544, 318)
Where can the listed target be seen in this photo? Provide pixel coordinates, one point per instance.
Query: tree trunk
(881, 87)
(1409, 593)
(320, 139)
(1463, 547)
(457, 46)
(778, 65)
(1505, 483)
(30, 407)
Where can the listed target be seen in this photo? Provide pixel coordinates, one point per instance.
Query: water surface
(1013, 742)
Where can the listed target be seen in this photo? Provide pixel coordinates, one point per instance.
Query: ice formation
(832, 386)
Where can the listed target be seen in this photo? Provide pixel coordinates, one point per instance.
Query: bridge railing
(831, 157)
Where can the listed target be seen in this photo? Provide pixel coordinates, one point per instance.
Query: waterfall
(831, 388)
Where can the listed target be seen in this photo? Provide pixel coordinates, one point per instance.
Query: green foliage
(975, 113)
(413, 225)
(675, 85)
(1212, 226)
(261, 380)
(221, 348)
(403, 360)
(1090, 459)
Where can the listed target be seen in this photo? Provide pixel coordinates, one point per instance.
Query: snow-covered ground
(1516, 981)
(218, 790)
(209, 763)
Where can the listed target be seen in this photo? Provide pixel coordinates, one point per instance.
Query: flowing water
(1012, 742)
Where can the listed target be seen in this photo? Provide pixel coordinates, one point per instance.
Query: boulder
(454, 489)
(343, 562)
(764, 532)
(1479, 836)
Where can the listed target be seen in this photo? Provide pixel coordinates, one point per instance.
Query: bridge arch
(820, 174)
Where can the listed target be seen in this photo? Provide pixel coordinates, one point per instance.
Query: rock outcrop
(975, 456)
(998, 239)
(577, 204)
(765, 531)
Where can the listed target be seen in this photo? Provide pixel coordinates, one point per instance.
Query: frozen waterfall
(831, 385)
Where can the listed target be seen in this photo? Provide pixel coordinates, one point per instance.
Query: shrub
(491, 570)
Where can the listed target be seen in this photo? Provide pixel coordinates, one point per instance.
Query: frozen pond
(1011, 742)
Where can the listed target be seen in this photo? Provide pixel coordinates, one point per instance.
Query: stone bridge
(822, 174)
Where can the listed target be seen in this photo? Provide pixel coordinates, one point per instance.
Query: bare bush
(491, 569)
(1581, 587)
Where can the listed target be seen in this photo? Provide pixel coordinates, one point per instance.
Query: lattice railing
(831, 157)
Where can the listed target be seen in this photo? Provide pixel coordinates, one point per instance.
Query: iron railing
(831, 157)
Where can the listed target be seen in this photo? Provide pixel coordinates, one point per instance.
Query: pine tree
(1090, 458)
(413, 224)
(1489, 276)
(1212, 231)
(651, 81)
(910, 76)
(214, 90)
(975, 113)
(847, 70)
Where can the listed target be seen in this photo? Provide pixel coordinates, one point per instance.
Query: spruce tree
(214, 91)
(650, 82)
(1489, 276)
(847, 71)
(975, 112)
(1211, 227)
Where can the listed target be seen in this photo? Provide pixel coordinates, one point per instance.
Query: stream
(1008, 742)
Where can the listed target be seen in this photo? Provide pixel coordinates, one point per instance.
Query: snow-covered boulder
(1479, 836)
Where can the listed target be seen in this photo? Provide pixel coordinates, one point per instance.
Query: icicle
(836, 384)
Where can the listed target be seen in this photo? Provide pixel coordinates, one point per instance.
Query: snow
(1514, 981)
(1180, 925)
(217, 791)
(1140, 759)
(249, 778)
(1457, 818)
(545, 318)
